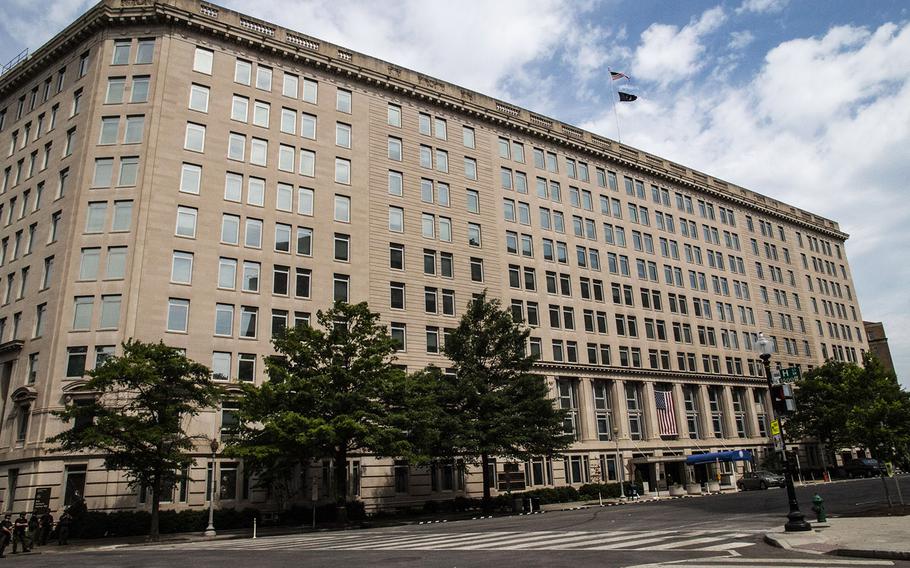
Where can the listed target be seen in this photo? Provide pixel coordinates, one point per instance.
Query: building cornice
(652, 375)
(275, 41)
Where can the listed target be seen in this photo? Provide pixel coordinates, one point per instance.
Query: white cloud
(762, 6)
(668, 53)
(739, 40)
(824, 125)
(31, 23)
(494, 39)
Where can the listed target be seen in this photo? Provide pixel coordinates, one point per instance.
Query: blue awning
(737, 455)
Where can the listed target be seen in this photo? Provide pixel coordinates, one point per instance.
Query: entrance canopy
(737, 455)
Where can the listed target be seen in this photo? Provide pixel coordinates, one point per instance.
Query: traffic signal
(782, 399)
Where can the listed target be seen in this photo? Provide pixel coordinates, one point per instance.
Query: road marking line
(470, 544)
(690, 542)
(630, 543)
(813, 561)
(434, 540)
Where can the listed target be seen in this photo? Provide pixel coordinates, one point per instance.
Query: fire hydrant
(818, 507)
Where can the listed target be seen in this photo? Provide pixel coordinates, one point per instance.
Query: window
(242, 72)
(255, 194)
(473, 200)
(221, 366)
(190, 178)
(342, 247)
(195, 137)
(253, 233)
(224, 319)
(135, 126)
(129, 171)
(342, 209)
(304, 241)
(302, 282)
(308, 126)
(397, 295)
(227, 273)
(282, 237)
(236, 146)
(178, 314)
(248, 319)
(395, 149)
(342, 135)
(343, 101)
(230, 229)
(110, 312)
(104, 168)
(264, 78)
(116, 263)
(250, 282)
(308, 163)
(121, 52)
(394, 115)
(470, 168)
(396, 219)
(261, 112)
(82, 312)
(182, 267)
(95, 217)
(123, 216)
(396, 183)
(305, 198)
(259, 150)
(341, 287)
(240, 108)
(199, 98)
(202, 61)
(186, 222)
(289, 85)
(140, 92)
(75, 361)
(110, 126)
(310, 90)
(342, 171)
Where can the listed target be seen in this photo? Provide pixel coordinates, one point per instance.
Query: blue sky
(807, 102)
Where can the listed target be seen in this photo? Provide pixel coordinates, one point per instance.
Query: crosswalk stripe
(416, 540)
(604, 538)
(546, 542)
(690, 542)
(497, 543)
(623, 544)
(443, 542)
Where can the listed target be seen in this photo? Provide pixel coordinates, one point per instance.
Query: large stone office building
(174, 170)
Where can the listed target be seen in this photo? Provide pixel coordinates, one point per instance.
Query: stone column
(704, 412)
(751, 413)
(727, 404)
(649, 411)
(620, 412)
(586, 424)
(679, 403)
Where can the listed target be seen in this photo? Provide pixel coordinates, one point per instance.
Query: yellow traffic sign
(775, 428)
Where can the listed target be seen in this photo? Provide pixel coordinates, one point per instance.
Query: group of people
(33, 531)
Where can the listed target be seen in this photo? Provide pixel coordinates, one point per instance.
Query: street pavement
(719, 531)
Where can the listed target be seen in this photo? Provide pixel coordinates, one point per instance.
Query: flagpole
(613, 101)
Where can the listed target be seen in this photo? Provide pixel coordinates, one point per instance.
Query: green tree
(844, 404)
(137, 418)
(332, 388)
(493, 405)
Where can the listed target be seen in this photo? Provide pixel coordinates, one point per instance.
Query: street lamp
(210, 530)
(619, 466)
(795, 519)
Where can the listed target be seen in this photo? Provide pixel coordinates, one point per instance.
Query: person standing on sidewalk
(33, 528)
(63, 528)
(6, 533)
(47, 525)
(19, 528)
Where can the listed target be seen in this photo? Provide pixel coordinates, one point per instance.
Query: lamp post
(210, 530)
(619, 466)
(795, 519)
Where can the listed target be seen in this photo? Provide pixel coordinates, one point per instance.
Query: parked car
(760, 480)
(865, 467)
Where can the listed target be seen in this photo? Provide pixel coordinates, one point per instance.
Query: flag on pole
(666, 413)
(616, 75)
(626, 97)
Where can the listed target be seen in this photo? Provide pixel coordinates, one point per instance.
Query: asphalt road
(720, 531)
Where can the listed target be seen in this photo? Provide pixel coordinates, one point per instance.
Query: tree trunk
(156, 501)
(487, 503)
(341, 486)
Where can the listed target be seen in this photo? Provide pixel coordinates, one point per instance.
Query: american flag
(666, 413)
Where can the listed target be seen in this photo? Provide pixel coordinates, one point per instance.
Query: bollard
(254, 527)
(600, 498)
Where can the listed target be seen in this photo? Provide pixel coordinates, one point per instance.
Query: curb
(861, 553)
(776, 542)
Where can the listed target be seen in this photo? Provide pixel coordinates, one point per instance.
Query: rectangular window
(178, 315)
(202, 60)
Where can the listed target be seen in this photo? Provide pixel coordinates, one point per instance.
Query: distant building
(878, 342)
(163, 177)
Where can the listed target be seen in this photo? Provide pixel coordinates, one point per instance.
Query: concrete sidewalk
(867, 537)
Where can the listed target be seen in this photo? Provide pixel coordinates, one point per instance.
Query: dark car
(760, 480)
(864, 467)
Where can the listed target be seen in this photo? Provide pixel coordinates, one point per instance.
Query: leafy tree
(332, 388)
(143, 400)
(844, 404)
(493, 405)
